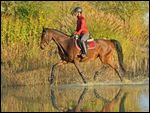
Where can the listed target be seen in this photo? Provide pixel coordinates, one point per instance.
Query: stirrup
(83, 55)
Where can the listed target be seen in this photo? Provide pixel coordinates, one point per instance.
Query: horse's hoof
(95, 75)
(51, 84)
(94, 78)
(50, 80)
(85, 82)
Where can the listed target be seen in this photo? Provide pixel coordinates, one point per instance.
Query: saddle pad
(90, 44)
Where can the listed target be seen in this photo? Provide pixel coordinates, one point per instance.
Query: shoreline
(90, 84)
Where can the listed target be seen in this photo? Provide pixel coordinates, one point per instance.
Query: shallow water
(75, 98)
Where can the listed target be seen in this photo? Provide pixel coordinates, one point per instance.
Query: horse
(69, 53)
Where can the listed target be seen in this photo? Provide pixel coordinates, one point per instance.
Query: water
(75, 98)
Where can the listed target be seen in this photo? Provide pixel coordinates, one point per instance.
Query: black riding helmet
(76, 10)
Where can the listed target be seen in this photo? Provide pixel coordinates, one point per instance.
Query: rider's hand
(75, 33)
(76, 36)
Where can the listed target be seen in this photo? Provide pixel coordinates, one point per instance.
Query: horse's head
(45, 38)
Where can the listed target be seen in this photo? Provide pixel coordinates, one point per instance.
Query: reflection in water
(117, 101)
(98, 98)
(76, 108)
(109, 105)
(144, 103)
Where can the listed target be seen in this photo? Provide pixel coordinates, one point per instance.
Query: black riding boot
(84, 50)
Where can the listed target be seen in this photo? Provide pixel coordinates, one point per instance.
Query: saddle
(90, 44)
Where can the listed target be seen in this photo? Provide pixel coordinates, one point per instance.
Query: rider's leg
(84, 48)
(83, 39)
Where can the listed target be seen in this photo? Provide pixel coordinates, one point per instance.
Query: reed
(20, 38)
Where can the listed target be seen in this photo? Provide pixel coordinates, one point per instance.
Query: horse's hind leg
(108, 59)
(118, 72)
(115, 66)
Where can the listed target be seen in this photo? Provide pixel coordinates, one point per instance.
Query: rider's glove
(76, 36)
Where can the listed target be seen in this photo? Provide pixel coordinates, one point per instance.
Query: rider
(81, 29)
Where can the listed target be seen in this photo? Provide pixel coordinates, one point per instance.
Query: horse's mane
(59, 32)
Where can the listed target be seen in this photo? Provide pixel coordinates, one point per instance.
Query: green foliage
(28, 9)
(22, 23)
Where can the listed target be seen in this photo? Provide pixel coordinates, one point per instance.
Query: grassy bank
(22, 60)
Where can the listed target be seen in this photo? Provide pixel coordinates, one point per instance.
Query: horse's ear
(43, 29)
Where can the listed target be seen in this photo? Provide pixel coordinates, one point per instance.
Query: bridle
(57, 43)
(45, 41)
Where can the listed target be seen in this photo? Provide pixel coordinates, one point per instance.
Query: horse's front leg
(51, 78)
(79, 70)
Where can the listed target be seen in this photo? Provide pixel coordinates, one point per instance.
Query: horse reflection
(63, 109)
(117, 101)
(115, 104)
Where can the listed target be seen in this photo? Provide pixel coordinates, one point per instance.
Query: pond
(75, 98)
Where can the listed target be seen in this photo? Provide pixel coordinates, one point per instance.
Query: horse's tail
(119, 53)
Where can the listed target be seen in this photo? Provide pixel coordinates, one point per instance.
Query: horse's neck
(61, 42)
(59, 38)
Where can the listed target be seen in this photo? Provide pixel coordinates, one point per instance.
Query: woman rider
(81, 29)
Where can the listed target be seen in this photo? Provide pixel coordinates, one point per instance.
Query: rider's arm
(82, 26)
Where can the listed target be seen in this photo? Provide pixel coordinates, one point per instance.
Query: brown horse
(68, 52)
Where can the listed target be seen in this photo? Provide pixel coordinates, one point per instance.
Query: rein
(59, 45)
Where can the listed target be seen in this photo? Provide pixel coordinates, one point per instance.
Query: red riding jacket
(81, 26)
